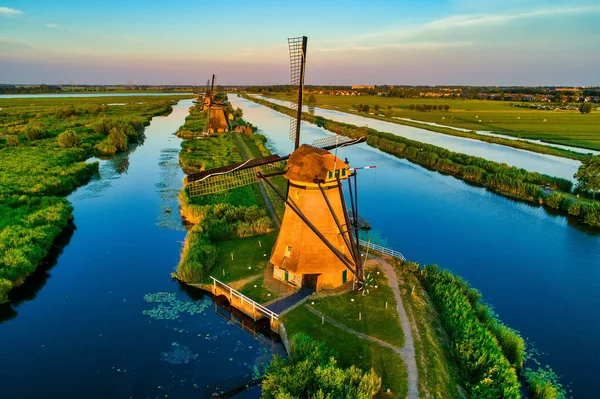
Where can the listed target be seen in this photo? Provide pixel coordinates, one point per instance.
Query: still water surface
(78, 330)
(541, 274)
(531, 161)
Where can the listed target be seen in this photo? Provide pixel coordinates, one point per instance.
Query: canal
(540, 274)
(531, 161)
(103, 319)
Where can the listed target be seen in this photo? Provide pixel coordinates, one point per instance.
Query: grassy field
(567, 127)
(352, 350)
(35, 170)
(248, 257)
(375, 319)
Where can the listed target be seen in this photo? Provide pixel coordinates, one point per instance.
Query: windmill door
(310, 281)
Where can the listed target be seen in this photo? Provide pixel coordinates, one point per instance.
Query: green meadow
(566, 127)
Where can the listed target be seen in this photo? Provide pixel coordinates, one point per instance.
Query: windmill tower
(317, 245)
(217, 121)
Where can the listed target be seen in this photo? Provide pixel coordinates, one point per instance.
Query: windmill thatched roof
(308, 162)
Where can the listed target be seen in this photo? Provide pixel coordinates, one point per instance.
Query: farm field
(566, 127)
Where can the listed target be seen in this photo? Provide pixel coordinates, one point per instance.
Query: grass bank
(43, 147)
(509, 181)
(565, 127)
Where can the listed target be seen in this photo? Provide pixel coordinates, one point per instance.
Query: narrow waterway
(540, 274)
(531, 161)
(104, 319)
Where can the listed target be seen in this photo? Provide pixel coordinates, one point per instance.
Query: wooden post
(386, 305)
(214, 286)
(322, 319)
(230, 296)
(360, 316)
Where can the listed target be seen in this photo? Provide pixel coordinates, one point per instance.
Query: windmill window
(343, 172)
(329, 175)
(288, 251)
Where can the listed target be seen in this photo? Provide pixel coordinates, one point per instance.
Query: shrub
(106, 148)
(69, 139)
(197, 258)
(118, 139)
(5, 287)
(34, 132)
(12, 140)
(446, 107)
(311, 371)
(412, 107)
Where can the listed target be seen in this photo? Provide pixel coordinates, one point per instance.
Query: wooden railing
(380, 249)
(244, 303)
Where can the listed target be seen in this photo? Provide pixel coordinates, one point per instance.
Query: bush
(118, 139)
(586, 108)
(412, 107)
(34, 132)
(197, 258)
(5, 287)
(106, 148)
(543, 384)
(69, 139)
(12, 140)
(446, 107)
(311, 371)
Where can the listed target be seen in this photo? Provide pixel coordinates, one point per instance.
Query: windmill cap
(308, 162)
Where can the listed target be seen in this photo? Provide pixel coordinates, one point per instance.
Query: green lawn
(352, 350)
(375, 320)
(248, 257)
(567, 127)
(256, 291)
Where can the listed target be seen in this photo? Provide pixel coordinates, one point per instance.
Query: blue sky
(435, 42)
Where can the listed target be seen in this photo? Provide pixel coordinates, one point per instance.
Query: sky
(432, 42)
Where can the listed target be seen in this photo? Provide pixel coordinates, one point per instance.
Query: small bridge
(245, 304)
(382, 250)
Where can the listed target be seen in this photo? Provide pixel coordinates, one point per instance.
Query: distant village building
(368, 87)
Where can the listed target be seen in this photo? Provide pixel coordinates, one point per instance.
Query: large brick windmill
(317, 244)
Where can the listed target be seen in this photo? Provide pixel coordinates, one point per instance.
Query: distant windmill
(217, 119)
(317, 244)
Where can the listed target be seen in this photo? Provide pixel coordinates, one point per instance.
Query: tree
(365, 108)
(588, 175)
(312, 99)
(446, 107)
(412, 107)
(376, 107)
(586, 107)
(68, 139)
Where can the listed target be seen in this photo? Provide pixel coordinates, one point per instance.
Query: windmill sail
(241, 174)
(331, 141)
(297, 46)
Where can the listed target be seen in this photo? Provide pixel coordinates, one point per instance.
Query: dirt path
(408, 352)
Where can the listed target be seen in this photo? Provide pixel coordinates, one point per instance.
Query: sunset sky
(435, 42)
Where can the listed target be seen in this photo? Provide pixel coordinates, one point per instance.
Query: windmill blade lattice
(227, 178)
(331, 141)
(297, 47)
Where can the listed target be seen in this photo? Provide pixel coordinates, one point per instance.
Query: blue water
(541, 274)
(77, 329)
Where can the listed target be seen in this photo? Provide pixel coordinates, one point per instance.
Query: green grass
(567, 127)
(352, 350)
(376, 321)
(195, 122)
(209, 152)
(248, 257)
(256, 291)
